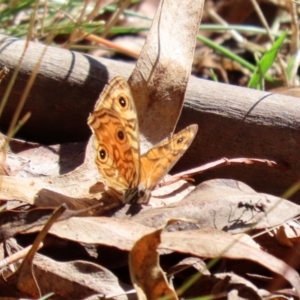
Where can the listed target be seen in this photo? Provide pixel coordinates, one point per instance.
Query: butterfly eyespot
(122, 101)
(102, 154)
(121, 135)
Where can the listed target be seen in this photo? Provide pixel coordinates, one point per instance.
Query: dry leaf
(282, 237)
(200, 243)
(224, 204)
(147, 276)
(77, 279)
(99, 230)
(160, 77)
(212, 243)
(190, 262)
(24, 278)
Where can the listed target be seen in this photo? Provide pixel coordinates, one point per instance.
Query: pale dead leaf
(190, 262)
(160, 77)
(206, 242)
(31, 160)
(147, 276)
(212, 243)
(77, 279)
(292, 230)
(224, 204)
(121, 234)
(35, 192)
(169, 194)
(72, 188)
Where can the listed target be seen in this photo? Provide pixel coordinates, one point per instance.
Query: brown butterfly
(127, 174)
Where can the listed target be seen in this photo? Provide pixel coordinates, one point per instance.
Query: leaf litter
(223, 219)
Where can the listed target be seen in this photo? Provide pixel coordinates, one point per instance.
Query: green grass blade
(226, 52)
(232, 56)
(266, 63)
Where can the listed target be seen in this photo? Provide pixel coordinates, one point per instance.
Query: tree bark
(233, 121)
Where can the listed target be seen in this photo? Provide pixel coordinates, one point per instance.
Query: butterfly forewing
(115, 127)
(117, 97)
(158, 161)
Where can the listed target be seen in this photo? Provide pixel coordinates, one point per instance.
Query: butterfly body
(128, 175)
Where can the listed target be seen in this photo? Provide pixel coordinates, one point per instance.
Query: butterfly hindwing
(158, 161)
